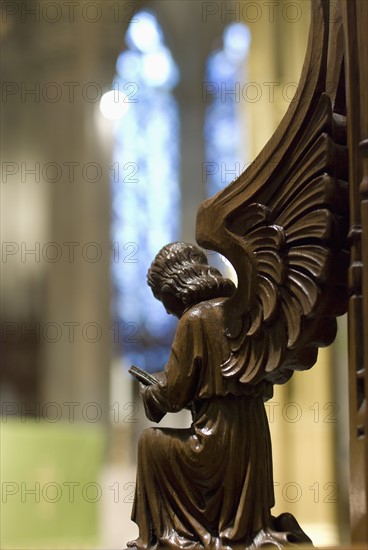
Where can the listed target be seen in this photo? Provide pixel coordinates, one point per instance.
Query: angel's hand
(142, 389)
(153, 410)
(160, 376)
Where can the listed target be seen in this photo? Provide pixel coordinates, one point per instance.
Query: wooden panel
(355, 16)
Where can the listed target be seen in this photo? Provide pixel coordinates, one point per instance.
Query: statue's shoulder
(204, 311)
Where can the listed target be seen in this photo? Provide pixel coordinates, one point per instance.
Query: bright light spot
(145, 33)
(159, 69)
(237, 40)
(114, 105)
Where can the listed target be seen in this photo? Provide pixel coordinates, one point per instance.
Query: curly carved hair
(182, 270)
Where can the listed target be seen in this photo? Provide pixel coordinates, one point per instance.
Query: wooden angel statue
(208, 486)
(282, 225)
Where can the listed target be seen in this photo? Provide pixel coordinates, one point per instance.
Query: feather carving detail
(279, 224)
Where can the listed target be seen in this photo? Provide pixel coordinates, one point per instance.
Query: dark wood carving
(283, 224)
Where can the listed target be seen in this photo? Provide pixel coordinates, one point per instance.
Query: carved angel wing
(282, 224)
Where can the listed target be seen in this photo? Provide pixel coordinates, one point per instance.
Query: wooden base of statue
(285, 532)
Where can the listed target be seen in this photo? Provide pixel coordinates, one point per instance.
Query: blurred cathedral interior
(118, 119)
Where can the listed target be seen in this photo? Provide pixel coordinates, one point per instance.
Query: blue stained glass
(225, 73)
(145, 190)
(237, 41)
(145, 33)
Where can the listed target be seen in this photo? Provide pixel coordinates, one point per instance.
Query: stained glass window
(145, 188)
(225, 78)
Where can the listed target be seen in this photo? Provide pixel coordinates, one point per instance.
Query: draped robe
(208, 486)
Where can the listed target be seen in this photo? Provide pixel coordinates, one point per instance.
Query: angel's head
(180, 277)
